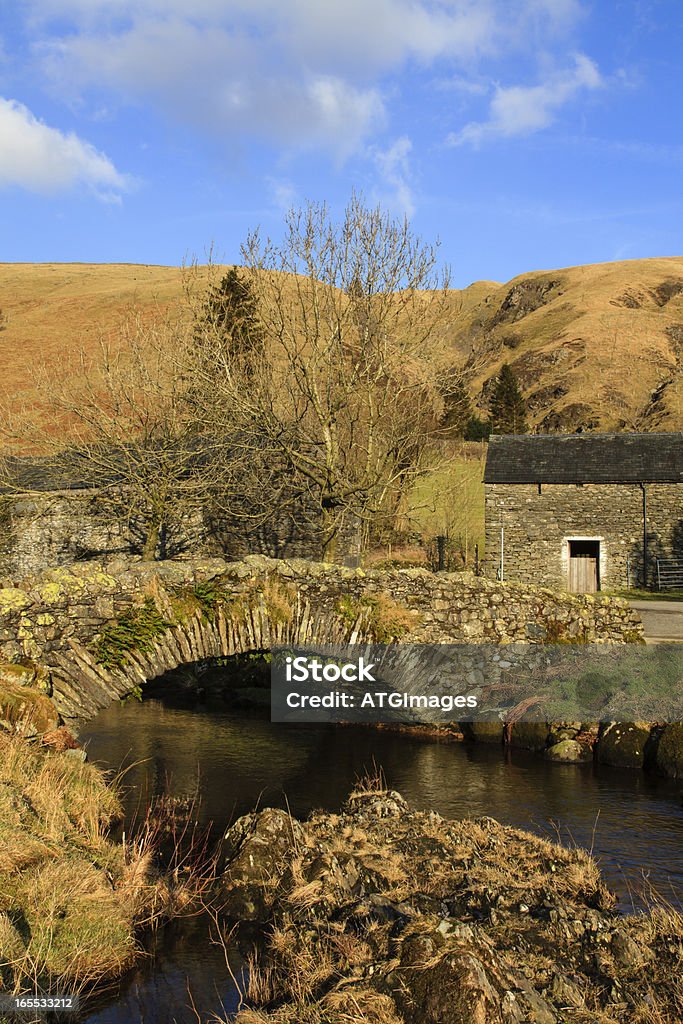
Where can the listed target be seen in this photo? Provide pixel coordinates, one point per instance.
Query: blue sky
(524, 134)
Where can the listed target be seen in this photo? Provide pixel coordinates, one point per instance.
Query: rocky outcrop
(525, 296)
(392, 915)
(26, 711)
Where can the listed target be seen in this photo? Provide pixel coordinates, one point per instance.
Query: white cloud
(522, 110)
(394, 168)
(333, 34)
(42, 159)
(297, 73)
(284, 194)
(221, 82)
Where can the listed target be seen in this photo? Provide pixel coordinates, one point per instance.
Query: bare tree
(342, 390)
(120, 425)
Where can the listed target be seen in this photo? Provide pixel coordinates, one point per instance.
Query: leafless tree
(343, 389)
(120, 424)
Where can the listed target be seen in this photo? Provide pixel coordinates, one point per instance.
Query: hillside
(597, 347)
(55, 309)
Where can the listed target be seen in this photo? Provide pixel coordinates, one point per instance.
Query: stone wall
(48, 530)
(74, 604)
(62, 528)
(538, 520)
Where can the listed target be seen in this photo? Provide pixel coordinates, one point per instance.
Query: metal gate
(670, 574)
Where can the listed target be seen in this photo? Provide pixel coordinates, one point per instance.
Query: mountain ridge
(595, 346)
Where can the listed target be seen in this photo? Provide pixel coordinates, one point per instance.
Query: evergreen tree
(507, 407)
(229, 319)
(477, 429)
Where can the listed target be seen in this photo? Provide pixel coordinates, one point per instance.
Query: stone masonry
(55, 619)
(63, 528)
(539, 519)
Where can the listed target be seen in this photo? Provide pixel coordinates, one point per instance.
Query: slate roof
(584, 458)
(62, 473)
(74, 469)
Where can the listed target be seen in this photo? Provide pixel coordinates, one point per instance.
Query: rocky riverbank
(653, 747)
(384, 915)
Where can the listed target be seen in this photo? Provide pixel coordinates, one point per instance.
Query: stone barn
(584, 512)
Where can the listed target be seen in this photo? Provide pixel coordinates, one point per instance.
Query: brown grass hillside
(54, 309)
(598, 347)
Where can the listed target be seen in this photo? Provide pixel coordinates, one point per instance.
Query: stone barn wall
(538, 520)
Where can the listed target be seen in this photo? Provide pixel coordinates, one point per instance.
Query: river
(235, 760)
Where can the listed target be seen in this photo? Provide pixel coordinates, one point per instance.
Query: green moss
(134, 630)
(209, 595)
(50, 593)
(135, 694)
(13, 600)
(349, 609)
(632, 636)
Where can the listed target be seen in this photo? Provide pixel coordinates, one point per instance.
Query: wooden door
(583, 573)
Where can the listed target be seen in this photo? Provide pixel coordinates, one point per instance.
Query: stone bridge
(97, 632)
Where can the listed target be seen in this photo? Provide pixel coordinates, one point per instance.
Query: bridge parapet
(104, 629)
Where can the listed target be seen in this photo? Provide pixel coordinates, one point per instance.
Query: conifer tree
(229, 319)
(457, 406)
(507, 407)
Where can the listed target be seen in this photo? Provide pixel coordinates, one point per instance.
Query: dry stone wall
(76, 603)
(64, 528)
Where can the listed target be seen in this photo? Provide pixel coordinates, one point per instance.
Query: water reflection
(632, 821)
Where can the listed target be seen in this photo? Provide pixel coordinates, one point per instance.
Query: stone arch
(219, 609)
(81, 686)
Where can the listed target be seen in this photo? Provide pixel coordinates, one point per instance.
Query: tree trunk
(149, 549)
(330, 532)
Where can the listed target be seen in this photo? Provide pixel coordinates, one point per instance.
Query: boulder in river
(670, 751)
(529, 735)
(259, 847)
(569, 752)
(624, 744)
